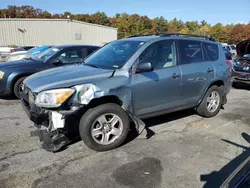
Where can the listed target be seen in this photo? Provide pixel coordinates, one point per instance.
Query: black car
(13, 73)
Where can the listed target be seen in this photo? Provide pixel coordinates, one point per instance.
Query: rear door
(197, 70)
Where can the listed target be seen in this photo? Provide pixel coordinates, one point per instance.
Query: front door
(68, 56)
(159, 89)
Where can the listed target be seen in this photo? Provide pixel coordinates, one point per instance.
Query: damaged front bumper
(56, 129)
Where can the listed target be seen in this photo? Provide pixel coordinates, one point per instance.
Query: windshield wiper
(91, 65)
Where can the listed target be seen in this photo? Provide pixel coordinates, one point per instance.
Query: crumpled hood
(18, 63)
(66, 76)
(243, 47)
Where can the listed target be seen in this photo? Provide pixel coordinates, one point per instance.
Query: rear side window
(84, 52)
(92, 49)
(190, 52)
(212, 51)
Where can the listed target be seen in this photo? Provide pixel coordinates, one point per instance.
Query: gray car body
(145, 94)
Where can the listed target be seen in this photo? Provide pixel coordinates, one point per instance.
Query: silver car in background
(21, 54)
(4, 52)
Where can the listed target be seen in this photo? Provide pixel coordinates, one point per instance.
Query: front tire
(211, 103)
(104, 127)
(16, 88)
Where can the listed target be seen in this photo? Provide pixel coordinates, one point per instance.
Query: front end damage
(60, 129)
(57, 127)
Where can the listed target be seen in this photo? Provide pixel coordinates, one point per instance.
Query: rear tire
(208, 111)
(16, 88)
(116, 132)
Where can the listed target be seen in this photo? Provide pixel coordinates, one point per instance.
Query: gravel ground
(178, 150)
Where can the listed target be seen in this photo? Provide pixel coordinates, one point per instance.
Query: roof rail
(141, 35)
(187, 35)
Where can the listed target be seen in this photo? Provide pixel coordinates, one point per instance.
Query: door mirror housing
(56, 62)
(144, 67)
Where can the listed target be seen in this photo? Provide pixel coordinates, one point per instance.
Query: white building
(24, 32)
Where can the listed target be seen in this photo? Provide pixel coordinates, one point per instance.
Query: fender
(209, 85)
(12, 77)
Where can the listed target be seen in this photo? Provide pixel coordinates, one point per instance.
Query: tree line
(135, 24)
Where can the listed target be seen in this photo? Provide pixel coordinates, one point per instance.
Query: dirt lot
(178, 150)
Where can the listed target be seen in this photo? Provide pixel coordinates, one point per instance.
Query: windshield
(114, 55)
(37, 49)
(43, 56)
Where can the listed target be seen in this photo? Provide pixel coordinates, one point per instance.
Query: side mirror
(56, 62)
(144, 67)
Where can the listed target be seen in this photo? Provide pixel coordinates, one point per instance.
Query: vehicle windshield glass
(35, 49)
(43, 56)
(113, 55)
(233, 47)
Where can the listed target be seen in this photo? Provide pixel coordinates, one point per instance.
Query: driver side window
(70, 56)
(160, 54)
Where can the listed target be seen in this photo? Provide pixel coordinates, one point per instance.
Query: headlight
(1, 74)
(85, 93)
(53, 98)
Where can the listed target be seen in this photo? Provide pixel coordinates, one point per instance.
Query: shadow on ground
(151, 122)
(216, 178)
(8, 98)
(241, 86)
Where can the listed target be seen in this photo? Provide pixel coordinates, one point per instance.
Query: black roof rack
(141, 35)
(176, 34)
(187, 35)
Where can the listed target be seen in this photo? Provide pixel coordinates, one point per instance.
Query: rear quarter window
(212, 51)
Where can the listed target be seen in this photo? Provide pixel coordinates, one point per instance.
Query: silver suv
(126, 81)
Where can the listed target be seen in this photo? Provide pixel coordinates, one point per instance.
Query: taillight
(13, 50)
(229, 63)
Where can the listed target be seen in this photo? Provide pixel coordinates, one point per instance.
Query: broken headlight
(86, 93)
(1, 74)
(53, 98)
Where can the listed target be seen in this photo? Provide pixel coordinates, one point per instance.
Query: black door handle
(174, 76)
(209, 70)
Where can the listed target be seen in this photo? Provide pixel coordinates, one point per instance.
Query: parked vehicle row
(125, 81)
